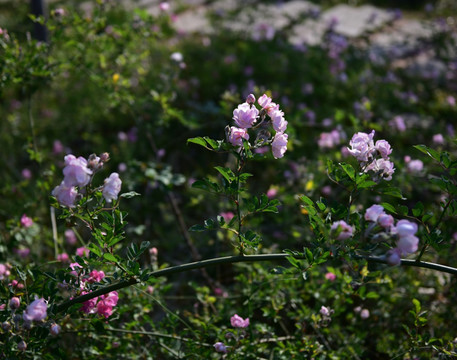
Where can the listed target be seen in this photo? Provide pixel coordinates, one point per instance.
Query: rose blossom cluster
(372, 156)
(341, 230)
(404, 231)
(247, 116)
(78, 173)
(102, 305)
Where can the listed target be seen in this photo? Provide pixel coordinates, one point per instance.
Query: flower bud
(6, 326)
(22, 345)
(104, 157)
(55, 329)
(15, 302)
(250, 99)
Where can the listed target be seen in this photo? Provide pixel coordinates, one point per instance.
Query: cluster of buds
(78, 173)
(404, 231)
(372, 156)
(247, 116)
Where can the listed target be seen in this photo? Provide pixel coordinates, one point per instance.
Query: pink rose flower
(36, 311)
(383, 148)
(65, 195)
(405, 228)
(365, 314)
(386, 221)
(237, 135)
(343, 230)
(278, 121)
(220, 347)
(373, 212)
(112, 187)
(330, 276)
(26, 221)
(245, 116)
(325, 311)
(264, 100)
(362, 146)
(279, 145)
(415, 166)
(76, 172)
(239, 322)
(82, 251)
(70, 237)
(14, 303)
(407, 244)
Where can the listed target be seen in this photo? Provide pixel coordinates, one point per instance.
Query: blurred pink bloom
(272, 192)
(327, 190)
(95, 276)
(386, 221)
(237, 135)
(112, 187)
(122, 167)
(22, 252)
(106, 303)
(373, 212)
(330, 276)
(279, 145)
(405, 228)
(26, 221)
(36, 311)
(325, 311)
(26, 174)
(82, 251)
(438, 139)
(245, 116)
(228, 215)
(63, 257)
(65, 195)
(57, 147)
(365, 314)
(59, 12)
(76, 172)
(451, 100)
(415, 166)
(164, 6)
(394, 257)
(343, 230)
(328, 140)
(398, 123)
(70, 237)
(238, 322)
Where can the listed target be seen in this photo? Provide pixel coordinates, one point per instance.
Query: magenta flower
(237, 135)
(26, 221)
(76, 172)
(245, 116)
(82, 251)
(250, 99)
(239, 322)
(279, 145)
(14, 303)
(112, 187)
(325, 311)
(330, 276)
(106, 303)
(36, 311)
(70, 237)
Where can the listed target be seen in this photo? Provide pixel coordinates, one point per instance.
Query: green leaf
(197, 140)
(95, 249)
(226, 173)
(129, 194)
(197, 227)
(418, 209)
(366, 184)
(349, 170)
(417, 305)
(109, 257)
(390, 208)
(307, 200)
(430, 152)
